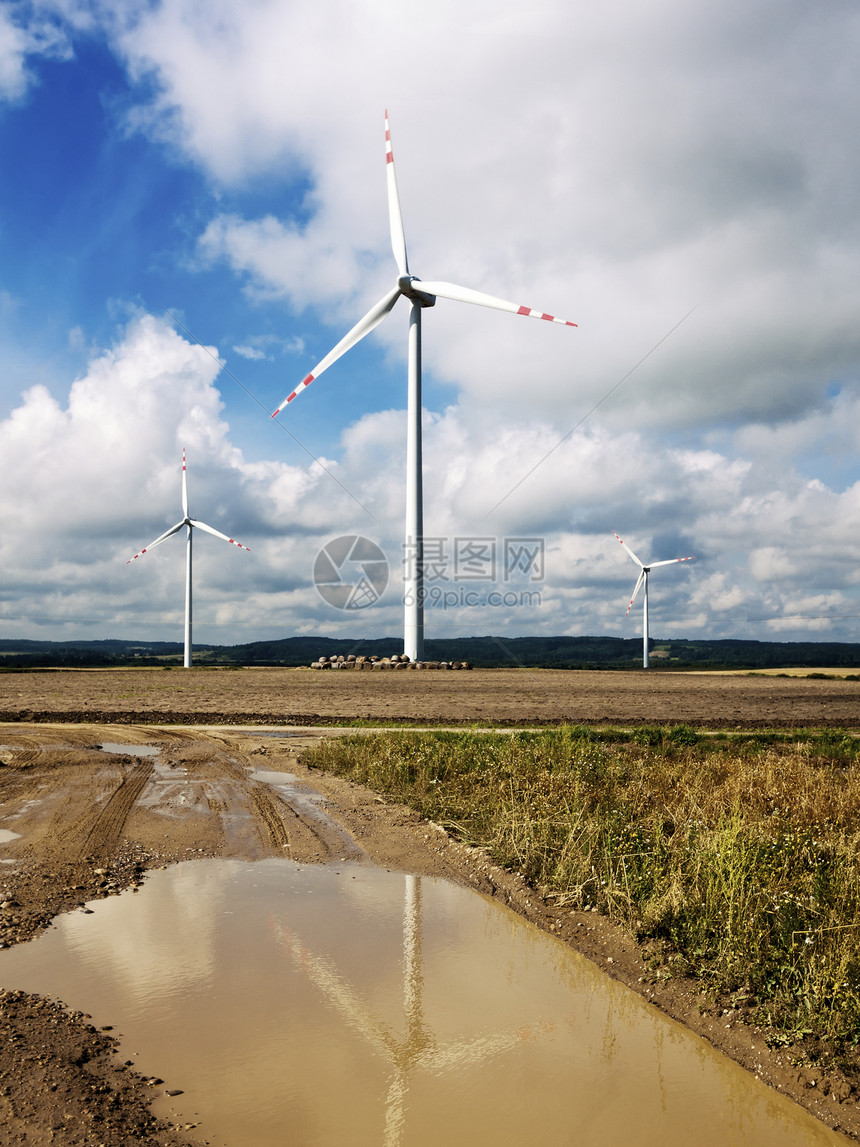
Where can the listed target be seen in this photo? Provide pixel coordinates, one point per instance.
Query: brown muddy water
(332, 1005)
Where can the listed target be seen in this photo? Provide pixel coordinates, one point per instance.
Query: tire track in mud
(103, 837)
(22, 758)
(205, 770)
(18, 770)
(269, 815)
(262, 803)
(316, 834)
(72, 849)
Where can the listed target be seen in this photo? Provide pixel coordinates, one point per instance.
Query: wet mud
(89, 822)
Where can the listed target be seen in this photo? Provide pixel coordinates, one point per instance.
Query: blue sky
(681, 182)
(99, 221)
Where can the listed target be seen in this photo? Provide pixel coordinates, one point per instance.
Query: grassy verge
(737, 857)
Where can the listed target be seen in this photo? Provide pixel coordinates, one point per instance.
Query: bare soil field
(493, 697)
(92, 822)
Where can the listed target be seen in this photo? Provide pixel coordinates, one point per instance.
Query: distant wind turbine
(420, 294)
(643, 581)
(190, 524)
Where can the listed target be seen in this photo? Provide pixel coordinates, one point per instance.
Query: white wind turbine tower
(420, 294)
(190, 524)
(643, 581)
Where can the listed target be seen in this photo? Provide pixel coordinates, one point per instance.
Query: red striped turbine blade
(363, 327)
(467, 295)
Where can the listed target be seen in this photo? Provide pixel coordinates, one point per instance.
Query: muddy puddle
(328, 1005)
(129, 750)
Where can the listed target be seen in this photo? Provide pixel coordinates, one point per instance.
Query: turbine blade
(395, 218)
(217, 533)
(467, 295)
(671, 562)
(167, 534)
(363, 327)
(630, 552)
(184, 486)
(639, 581)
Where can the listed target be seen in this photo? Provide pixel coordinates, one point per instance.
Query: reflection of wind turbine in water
(417, 1049)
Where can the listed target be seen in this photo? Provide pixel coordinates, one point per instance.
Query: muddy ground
(92, 823)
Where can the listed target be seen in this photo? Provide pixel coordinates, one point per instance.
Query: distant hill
(485, 652)
(20, 654)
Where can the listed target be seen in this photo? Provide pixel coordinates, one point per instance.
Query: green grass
(736, 857)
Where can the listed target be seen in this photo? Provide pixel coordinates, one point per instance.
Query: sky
(193, 212)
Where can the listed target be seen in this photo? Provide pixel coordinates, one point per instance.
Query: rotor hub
(407, 285)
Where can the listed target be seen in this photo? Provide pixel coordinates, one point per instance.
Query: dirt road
(93, 808)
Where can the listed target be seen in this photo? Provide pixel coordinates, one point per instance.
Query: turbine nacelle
(406, 286)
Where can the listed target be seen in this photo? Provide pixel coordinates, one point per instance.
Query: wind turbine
(643, 581)
(190, 524)
(420, 295)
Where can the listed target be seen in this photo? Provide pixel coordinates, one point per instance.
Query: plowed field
(491, 697)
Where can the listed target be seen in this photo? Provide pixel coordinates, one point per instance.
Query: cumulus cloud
(97, 477)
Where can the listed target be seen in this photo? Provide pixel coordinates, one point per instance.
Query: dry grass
(739, 857)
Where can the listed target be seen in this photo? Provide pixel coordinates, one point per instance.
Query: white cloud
(98, 477)
(263, 348)
(254, 354)
(21, 39)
